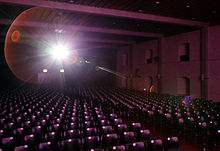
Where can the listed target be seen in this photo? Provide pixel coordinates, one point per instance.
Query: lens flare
(15, 36)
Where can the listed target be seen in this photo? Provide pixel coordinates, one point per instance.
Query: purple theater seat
(91, 142)
(71, 126)
(1, 133)
(54, 128)
(7, 143)
(110, 139)
(37, 130)
(9, 126)
(105, 122)
(51, 136)
(156, 145)
(144, 134)
(137, 146)
(113, 116)
(71, 134)
(46, 146)
(107, 129)
(118, 121)
(89, 118)
(70, 145)
(92, 131)
(171, 142)
(21, 148)
(89, 124)
(118, 148)
(29, 139)
(122, 128)
(101, 117)
(19, 134)
(136, 126)
(127, 137)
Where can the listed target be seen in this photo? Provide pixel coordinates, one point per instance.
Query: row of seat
(100, 118)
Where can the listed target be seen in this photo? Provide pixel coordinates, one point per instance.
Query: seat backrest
(119, 148)
(145, 134)
(91, 142)
(122, 127)
(46, 146)
(111, 139)
(136, 126)
(157, 145)
(29, 138)
(138, 146)
(21, 148)
(128, 137)
(70, 144)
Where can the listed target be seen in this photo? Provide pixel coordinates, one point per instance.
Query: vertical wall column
(131, 67)
(159, 72)
(204, 61)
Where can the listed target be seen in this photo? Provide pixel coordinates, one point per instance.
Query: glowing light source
(59, 52)
(145, 89)
(61, 70)
(86, 61)
(44, 70)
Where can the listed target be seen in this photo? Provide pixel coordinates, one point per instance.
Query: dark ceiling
(190, 10)
(201, 10)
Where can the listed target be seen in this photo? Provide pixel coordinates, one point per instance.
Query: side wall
(172, 68)
(214, 63)
(123, 69)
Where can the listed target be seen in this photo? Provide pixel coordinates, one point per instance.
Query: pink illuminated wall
(214, 63)
(172, 67)
(145, 71)
(121, 67)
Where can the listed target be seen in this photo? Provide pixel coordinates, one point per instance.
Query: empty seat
(37, 130)
(46, 146)
(21, 148)
(70, 145)
(117, 121)
(107, 129)
(89, 124)
(136, 126)
(156, 145)
(127, 137)
(91, 131)
(54, 128)
(171, 142)
(113, 116)
(91, 142)
(105, 122)
(71, 134)
(30, 139)
(110, 140)
(19, 135)
(7, 143)
(137, 146)
(117, 148)
(122, 128)
(144, 134)
(70, 126)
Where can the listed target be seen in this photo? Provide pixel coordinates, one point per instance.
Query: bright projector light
(59, 52)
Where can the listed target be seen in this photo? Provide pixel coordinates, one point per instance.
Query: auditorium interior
(105, 75)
